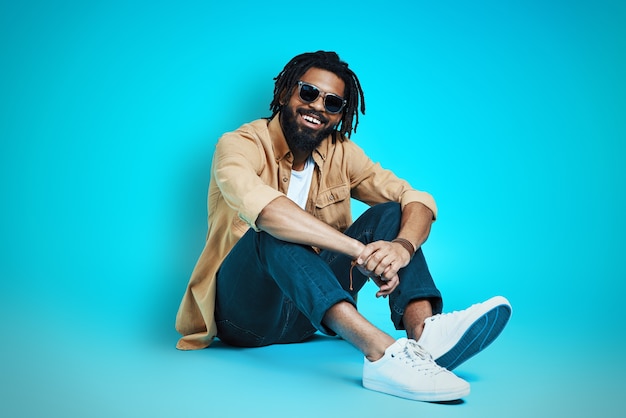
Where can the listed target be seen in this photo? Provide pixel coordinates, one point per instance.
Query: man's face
(305, 125)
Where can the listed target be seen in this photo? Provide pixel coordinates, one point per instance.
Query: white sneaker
(454, 337)
(408, 371)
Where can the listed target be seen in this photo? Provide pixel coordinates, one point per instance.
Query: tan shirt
(252, 167)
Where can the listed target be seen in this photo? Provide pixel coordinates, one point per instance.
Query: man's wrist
(406, 244)
(357, 249)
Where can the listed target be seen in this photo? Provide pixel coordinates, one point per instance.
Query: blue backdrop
(511, 113)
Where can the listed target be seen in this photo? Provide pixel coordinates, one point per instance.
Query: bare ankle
(377, 352)
(415, 314)
(347, 322)
(415, 333)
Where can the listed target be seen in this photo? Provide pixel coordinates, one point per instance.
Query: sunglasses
(309, 93)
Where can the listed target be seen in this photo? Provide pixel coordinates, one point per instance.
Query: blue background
(511, 113)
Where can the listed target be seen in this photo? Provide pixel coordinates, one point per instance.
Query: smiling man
(283, 259)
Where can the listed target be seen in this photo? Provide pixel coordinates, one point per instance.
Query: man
(283, 259)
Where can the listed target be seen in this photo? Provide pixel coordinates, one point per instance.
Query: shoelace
(421, 358)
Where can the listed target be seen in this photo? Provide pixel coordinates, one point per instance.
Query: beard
(301, 138)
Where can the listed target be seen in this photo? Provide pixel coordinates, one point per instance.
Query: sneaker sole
(450, 395)
(477, 337)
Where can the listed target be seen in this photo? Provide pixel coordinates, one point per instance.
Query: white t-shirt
(300, 183)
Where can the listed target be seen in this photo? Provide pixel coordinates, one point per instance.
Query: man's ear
(283, 99)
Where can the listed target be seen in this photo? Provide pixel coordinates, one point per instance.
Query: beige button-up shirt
(251, 167)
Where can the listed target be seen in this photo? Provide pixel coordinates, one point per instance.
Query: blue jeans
(270, 291)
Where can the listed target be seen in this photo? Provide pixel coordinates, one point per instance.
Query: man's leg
(347, 322)
(263, 273)
(251, 309)
(416, 312)
(451, 338)
(271, 291)
(401, 368)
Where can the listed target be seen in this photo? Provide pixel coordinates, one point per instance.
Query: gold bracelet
(407, 245)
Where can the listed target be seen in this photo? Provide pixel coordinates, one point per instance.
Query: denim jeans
(270, 291)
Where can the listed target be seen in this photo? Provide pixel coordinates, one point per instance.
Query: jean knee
(391, 209)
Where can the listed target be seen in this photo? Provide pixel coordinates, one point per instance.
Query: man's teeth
(311, 119)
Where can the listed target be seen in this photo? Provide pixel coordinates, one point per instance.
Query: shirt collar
(281, 149)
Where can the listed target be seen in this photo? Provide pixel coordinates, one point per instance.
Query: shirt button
(284, 179)
(332, 197)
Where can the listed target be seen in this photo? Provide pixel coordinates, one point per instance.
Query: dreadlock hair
(288, 78)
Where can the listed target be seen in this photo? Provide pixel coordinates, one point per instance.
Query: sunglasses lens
(308, 93)
(333, 104)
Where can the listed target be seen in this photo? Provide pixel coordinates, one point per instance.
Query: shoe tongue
(397, 346)
(400, 343)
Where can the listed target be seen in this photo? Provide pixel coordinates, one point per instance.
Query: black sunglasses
(309, 93)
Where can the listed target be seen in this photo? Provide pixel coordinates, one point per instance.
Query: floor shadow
(467, 376)
(455, 402)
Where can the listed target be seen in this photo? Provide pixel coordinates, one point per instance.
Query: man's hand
(381, 261)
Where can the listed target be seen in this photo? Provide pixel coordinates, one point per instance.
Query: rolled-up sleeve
(424, 198)
(237, 164)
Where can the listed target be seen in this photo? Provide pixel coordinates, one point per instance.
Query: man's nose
(318, 103)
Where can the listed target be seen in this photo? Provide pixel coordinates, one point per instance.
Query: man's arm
(285, 220)
(417, 219)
